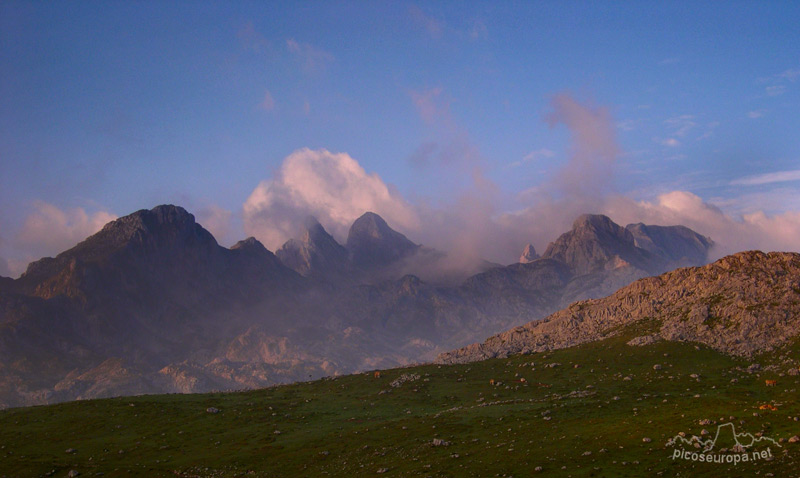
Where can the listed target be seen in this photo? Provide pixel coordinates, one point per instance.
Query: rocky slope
(741, 305)
(152, 303)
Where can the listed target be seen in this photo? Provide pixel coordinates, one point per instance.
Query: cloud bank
(471, 226)
(332, 187)
(49, 230)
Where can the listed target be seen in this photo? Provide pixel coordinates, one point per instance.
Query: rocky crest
(528, 254)
(152, 303)
(741, 305)
(372, 244)
(315, 253)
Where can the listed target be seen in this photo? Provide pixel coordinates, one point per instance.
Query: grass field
(580, 418)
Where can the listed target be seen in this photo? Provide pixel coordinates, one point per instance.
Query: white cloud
(775, 90)
(780, 232)
(755, 114)
(268, 103)
(681, 125)
(49, 230)
(790, 75)
(671, 142)
(533, 156)
(251, 39)
(217, 221)
(332, 187)
(432, 26)
(594, 149)
(768, 178)
(428, 104)
(312, 59)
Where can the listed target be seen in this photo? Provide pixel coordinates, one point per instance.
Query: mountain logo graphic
(727, 436)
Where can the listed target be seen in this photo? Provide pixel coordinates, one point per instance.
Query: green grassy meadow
(571, 421)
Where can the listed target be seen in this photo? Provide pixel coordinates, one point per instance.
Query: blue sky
(110, 107)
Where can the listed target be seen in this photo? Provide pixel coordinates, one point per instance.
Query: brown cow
(771, 383)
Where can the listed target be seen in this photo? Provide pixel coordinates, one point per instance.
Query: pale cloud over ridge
(49, 230)
(333, 187)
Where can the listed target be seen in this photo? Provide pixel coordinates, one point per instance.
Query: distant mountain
(316, 253)
(152, 303)
(676, 246)
(597, 244)
(528, 254)
(741, 305)
(372, 244)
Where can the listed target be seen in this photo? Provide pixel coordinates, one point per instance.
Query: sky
(472, 127)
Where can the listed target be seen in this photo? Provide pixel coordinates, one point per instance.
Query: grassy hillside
(584, 421)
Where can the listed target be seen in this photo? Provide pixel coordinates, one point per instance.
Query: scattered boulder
(440, 442)
(647, 439)
(212, 410)
(657, 367)
(794, 439)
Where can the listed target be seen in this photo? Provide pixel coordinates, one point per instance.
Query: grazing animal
(491, 382)
(377, 375)
(771, 383)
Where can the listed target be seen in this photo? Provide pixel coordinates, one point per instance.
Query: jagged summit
(528, 254)
(677, 245)
(372, 243)
(315, 253)
(249, 243)
(742, 304)
(163, 226)
(597, 243)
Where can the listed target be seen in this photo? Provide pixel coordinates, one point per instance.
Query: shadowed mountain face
(372, 244)
(741, 305)
(316, 253)
(152, 303)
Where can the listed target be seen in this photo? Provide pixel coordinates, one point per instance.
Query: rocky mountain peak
(678, 246)
(315, 253)
(372, 243)
(594, 244)
(164, 225)
(528, 254)
(744, 304)
(249, 244)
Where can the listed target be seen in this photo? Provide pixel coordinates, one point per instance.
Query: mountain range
(151, 303)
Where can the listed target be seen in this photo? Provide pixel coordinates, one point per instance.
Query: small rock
(440, 442)
(537, 469)
(704, 432)
(657, 366)
(73, 473)
(794, 439)
(646, 440)
(382, 470)
(212, 410)
(704, 421)
(70, 450)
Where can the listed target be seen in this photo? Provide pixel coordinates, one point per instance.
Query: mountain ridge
(741, 304)
(155, 304)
